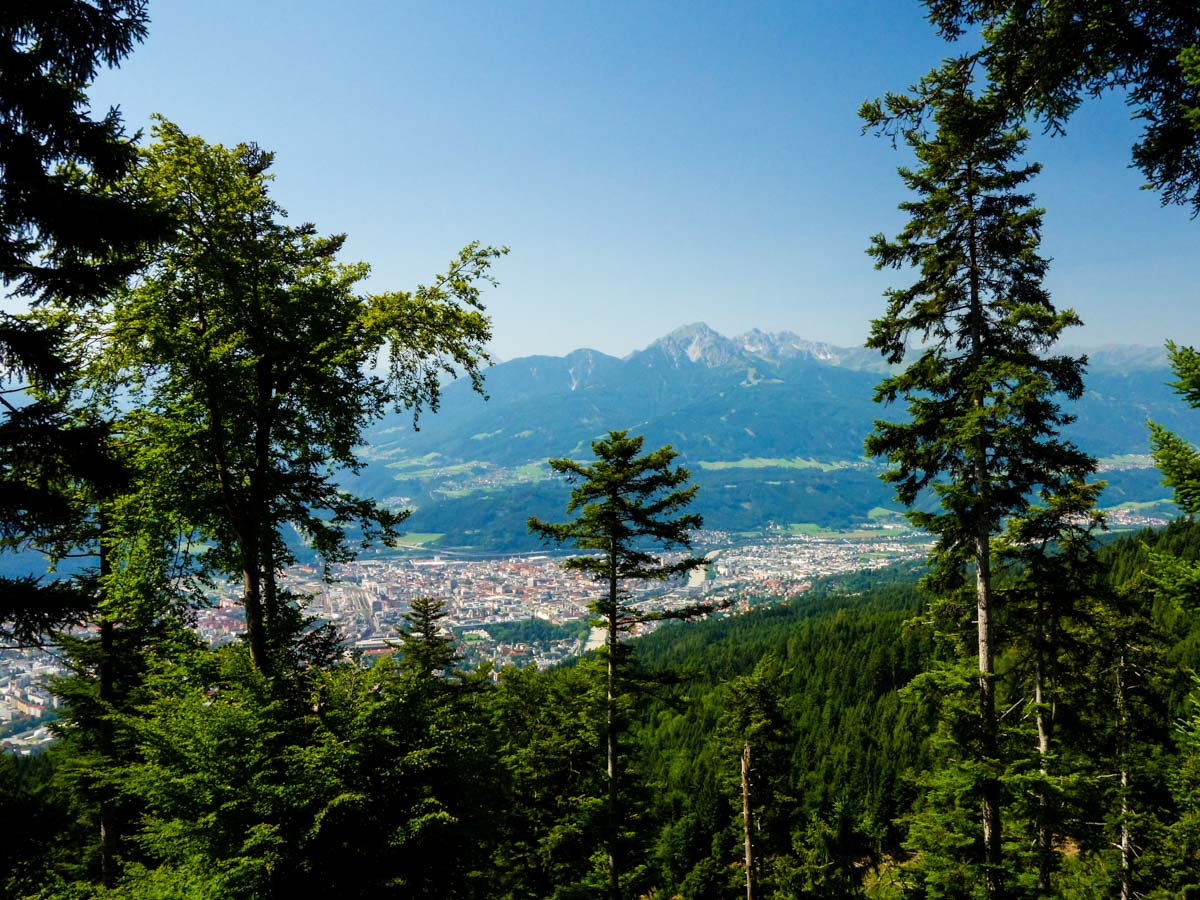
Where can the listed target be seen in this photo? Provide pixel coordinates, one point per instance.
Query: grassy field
(811, 529)
(1164, 506)
(759, 462)
(1127, 460)
(417, 539)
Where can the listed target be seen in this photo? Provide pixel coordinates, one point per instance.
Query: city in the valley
(485, 596)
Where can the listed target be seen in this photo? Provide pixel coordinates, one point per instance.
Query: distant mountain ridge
(771, 424)
(701, 345)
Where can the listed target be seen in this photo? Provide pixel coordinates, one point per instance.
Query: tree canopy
(982, 433)
(256, 366)
(1045, 58)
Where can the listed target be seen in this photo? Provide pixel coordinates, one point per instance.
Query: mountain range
(771, 426)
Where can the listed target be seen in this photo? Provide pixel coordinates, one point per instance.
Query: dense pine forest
(189, 389)
(404, 777)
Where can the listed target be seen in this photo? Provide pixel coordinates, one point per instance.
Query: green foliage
(533, 630)
(1176, 458)
(426, 650)
(626, 504)
(57, 168)
(552, 817)
(1184, 840)
(755, 727)
(840, 753)
(1044, 58)
(49, 245)
(983, 436)
(255, 367)
(356, 782)
(980, 392)
(346, 780)
(622, 500)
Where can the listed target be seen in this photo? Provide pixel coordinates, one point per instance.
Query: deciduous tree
(256, 366)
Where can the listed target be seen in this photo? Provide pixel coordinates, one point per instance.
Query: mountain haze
(771, 425)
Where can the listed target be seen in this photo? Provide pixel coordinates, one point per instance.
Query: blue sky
(649, 164)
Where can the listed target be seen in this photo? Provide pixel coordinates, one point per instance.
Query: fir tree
(981, 391)
(627, 503)
(58, 166)
(427, 651)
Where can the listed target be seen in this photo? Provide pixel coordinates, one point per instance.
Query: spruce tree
(1045, 58)
(427, 651)
(981, 390)
(628, 505)
(1178, 460)
(57, 167)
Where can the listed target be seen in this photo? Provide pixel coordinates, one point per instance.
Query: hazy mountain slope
(745, 413)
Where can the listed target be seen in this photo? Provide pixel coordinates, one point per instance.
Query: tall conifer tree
(981, 390)
(627, 505)
(57, 164)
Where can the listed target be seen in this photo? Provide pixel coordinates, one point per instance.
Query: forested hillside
(357, 780)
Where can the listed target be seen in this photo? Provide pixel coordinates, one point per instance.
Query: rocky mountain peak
(696, 344)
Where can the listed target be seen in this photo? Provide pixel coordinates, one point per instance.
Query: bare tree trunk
(614, 879)
(990, 787)
(1126, 843)
(1045, 722)
(746, 821)
(108, 823)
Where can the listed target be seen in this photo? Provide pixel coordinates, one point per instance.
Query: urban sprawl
(367, 600)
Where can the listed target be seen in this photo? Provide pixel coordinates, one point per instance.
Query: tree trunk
(270, 596)
(610, 727)
(1126, 842)
(1045, 722)
(746, 821)
(247, 532)
(252, 602)
(990, 787)
(108, 816)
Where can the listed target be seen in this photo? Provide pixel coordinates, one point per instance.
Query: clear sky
(650, 164)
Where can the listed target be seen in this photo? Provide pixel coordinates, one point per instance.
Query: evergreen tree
(57, 168)
(1053, 598)
(427, 651)
(550, 730)
(1178, 460)
(627, 504)
(1179, 463)
(982, 433)
(1044, 58)
(1185, 832)
(755, 737)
